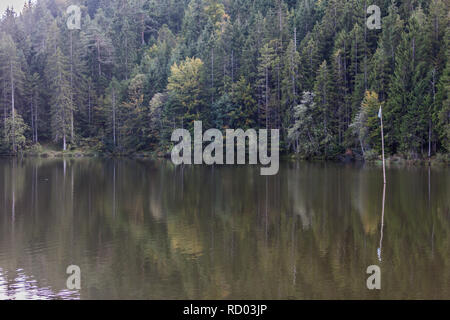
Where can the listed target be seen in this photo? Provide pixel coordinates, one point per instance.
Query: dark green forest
(138, 69)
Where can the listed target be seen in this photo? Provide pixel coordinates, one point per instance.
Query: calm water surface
(149, 230)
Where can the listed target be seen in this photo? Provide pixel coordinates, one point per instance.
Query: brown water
(149, 230)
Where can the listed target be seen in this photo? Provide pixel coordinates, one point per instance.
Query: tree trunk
(356, 54)
(114, 115)
(5, 111)
(232, 66)
(32, 117)
(433, 82)
(89, 106)
(294, 71)
(365, 50)
(98, 59)
(63, 116)
(126, 56)
(71, 88)
(142, 30)
(267, 98)
(212, 76)
(12, 108)
(36, 120)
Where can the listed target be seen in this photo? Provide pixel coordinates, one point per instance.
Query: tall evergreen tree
(12, 78)
(58, 75)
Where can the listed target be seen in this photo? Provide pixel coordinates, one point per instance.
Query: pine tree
(33, 99)
(12, 78)
(15, 129)
(135, 114)
(156, 125)
(58, 76)
(340, 76)
(357, 66)
(290, 85)
(391, 35)
(305, 17)
(309, 61)
(244, 115)
(99, 52)
(112, 102)
(409, 94)
(436, 22)
(126, 32)
(442, 106)
(266, 66)
(323, 107)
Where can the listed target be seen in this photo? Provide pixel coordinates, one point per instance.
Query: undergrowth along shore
(50, 152)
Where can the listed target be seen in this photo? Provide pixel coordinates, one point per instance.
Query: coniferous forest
(138, 69)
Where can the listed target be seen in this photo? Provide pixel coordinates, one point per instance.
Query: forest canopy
(138, 69)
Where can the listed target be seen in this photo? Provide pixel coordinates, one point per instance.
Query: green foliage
(442, 108)
(15, 130)
(304, 136)
(139, 69)
(366, 127)
(323, 109)
(61, 105)
(409, 94)
(185, 86)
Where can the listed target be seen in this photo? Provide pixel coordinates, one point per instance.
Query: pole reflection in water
(382, 223)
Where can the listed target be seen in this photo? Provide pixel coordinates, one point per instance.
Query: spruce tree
(61, 107)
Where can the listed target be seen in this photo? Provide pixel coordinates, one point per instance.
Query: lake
(145, 229)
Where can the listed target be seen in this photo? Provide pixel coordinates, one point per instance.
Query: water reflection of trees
(147, 229)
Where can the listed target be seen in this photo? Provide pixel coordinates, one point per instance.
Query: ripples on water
(23, 287)
(149, 230)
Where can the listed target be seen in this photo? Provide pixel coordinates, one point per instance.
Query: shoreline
(436, 160)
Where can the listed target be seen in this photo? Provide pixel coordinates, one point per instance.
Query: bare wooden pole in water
(382, 144)
(382, 223)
